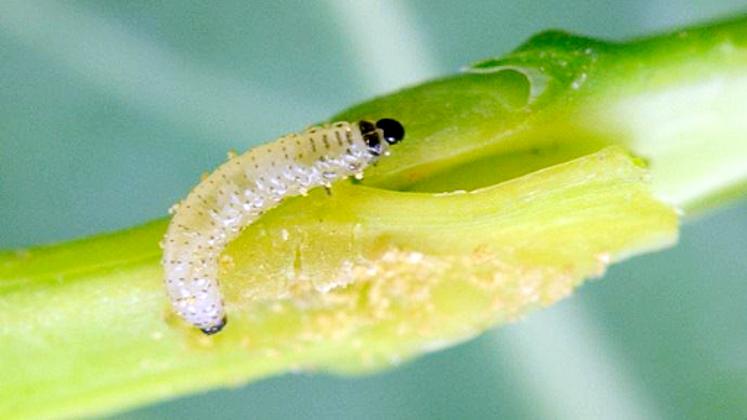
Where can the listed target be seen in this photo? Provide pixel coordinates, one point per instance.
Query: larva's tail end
(215, 328)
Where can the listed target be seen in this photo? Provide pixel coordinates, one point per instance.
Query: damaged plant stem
(522, 176)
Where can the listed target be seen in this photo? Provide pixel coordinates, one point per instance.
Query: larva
(246, 186)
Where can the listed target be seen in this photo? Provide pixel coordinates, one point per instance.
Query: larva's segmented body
(240, 190)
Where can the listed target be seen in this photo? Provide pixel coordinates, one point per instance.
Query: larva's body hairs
(242, 189)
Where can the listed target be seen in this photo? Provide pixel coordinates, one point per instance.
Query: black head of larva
(385, 129)
(393, 131)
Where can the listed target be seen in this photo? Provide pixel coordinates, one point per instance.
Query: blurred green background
(109, 111)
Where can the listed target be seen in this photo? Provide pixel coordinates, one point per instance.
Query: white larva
(246, 186)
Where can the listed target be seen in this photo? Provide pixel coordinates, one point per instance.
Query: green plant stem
(386, 270)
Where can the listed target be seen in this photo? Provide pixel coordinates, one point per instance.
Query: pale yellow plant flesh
(362, 278)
